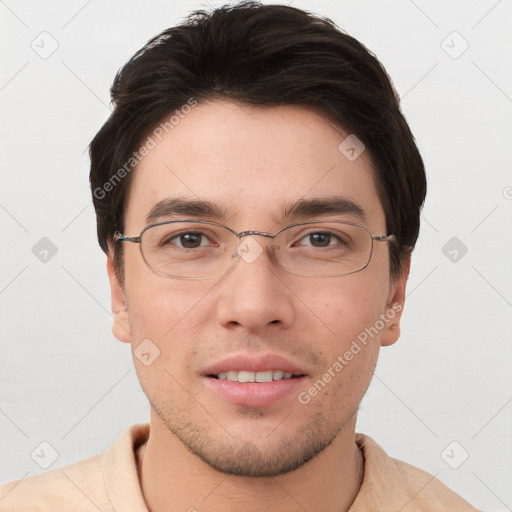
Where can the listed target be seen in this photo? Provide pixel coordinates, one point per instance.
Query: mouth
(254, 381)
(249, 376)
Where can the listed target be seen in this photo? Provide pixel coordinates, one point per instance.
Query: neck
(172, 478)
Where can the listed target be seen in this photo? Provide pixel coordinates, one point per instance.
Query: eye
(188, 240)
(319, 239)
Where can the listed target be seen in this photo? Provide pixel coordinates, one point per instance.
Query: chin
(250, 454)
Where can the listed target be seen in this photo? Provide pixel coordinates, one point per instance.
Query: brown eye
(320, 239)
(188, 240)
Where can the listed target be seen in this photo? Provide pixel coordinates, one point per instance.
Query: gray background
(66, 381)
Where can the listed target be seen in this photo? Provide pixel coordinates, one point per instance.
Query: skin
(251, 161)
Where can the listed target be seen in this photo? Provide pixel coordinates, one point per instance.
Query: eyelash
(179, 235)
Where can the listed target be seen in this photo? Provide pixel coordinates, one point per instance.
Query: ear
(121, 325)
(395, 306)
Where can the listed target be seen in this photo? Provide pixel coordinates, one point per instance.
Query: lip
(259, 363)
(254, 394)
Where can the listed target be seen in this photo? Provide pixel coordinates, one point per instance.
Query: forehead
(253, 163)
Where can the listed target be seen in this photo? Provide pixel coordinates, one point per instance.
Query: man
(257, 193)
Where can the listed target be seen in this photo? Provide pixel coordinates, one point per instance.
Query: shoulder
(392, 483)
(77, 486)
(107, 482)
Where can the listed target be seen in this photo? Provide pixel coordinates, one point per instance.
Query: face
(251, 163)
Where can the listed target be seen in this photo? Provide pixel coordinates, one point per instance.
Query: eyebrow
(340, 205)
(171, 206)
(297, 210)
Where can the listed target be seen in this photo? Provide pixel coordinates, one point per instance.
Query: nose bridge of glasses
(252, 232)
(251, 251)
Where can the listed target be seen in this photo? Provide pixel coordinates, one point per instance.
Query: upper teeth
(247, 376)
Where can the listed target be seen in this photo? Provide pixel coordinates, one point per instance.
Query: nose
(255, 295)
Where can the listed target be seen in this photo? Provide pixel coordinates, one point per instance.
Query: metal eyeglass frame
(120, 237)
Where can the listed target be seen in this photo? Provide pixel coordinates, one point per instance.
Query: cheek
(167, 312)
(155, 303)
(351, 305)
(350, 346)
(162, 318)
(162, 340)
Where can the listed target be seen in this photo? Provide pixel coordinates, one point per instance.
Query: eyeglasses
(201, 249)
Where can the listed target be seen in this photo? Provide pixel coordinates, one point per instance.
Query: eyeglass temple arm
(119, 237)
(383, 238)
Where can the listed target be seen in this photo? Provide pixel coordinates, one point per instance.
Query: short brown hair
(259, 55)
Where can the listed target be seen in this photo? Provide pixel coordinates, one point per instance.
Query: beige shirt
(109, 482)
